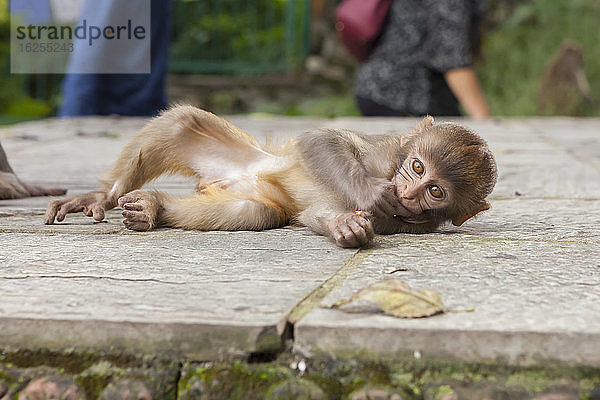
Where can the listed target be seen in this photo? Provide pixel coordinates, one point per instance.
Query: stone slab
(164, 291)
(529, 266)
(535, 299)
(203, 295)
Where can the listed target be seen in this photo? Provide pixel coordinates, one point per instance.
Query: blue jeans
(124, 94)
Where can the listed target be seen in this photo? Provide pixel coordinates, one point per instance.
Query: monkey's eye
(436, 191)
(418, 167)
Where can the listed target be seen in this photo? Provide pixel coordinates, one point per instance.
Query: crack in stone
(532, 240)
(24, 277)
(525, 197)
(314, 299)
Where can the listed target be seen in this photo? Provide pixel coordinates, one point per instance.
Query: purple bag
(359, 24)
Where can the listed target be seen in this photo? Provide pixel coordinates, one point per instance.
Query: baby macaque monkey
(339, 183)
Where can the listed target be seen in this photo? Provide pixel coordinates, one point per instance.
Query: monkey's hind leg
(215, 209)
(184, 140)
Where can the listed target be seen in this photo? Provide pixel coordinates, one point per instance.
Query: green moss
(436, 392)
(6, 378)
(69, 362)
(589, 384)
(237, 381)
(295, 389)
(536, 380)
(336, 378)
(94, 379)
(586, 386)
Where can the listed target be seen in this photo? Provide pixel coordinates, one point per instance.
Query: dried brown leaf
(393, 297)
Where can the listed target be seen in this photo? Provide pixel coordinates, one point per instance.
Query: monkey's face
(422, 190)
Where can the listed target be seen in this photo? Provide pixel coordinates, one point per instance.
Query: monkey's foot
(93, 204)
(12, 188)
(35, 190)
(141, 210)
(351, 229)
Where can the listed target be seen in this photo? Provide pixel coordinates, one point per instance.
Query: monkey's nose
(411, 205)
(409, 194)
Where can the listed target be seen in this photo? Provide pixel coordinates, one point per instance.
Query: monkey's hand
(383, 202)
(141, 210)
(93, 204)
(351, 229)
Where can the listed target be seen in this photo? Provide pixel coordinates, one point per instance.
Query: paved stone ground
(530, 267)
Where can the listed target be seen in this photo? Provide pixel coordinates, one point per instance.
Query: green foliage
(10, 86)
(27, 108)
(15, 104)
(256, 36)
(330, 106)
(519, 40)
(237, 36)
(516, 52)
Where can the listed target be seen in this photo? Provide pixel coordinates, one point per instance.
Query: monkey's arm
(358, 167)
(345, 228)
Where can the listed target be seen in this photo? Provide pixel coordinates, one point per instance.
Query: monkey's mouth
(410, 217)
(417, 220)
(405, 214)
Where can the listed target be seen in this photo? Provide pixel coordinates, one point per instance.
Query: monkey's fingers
(67, 208)
(353, 231)
(133, 207)
(389, 204)
(358, 232)
(58, 209)
(344, 237)
(137, 221)
(131, 197)
(367, 226)
(51, 212)
(124, 200)
(98, 211)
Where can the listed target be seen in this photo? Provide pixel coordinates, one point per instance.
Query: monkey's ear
(425, 123)
(458, 221)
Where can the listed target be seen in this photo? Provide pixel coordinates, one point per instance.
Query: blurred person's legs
(125, 94)
(441, 102)
(370, 108)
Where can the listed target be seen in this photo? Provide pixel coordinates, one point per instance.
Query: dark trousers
(369, 108)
